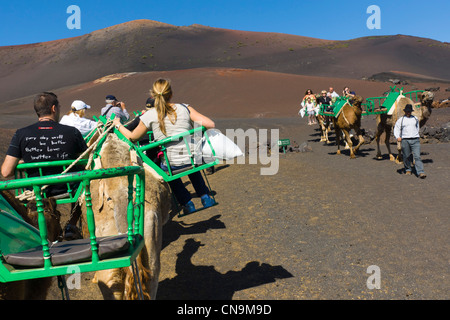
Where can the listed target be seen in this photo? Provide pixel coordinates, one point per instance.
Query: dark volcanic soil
(311, 230)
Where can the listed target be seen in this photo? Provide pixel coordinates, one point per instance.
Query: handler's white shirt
(407, 127)
(84, 125)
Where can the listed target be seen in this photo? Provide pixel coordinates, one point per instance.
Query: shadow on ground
(195, 282)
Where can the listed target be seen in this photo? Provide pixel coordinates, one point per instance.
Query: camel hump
(403, 101)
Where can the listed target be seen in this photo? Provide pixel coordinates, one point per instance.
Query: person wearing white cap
(75, 118)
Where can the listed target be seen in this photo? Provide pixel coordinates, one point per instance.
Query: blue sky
(30, 21)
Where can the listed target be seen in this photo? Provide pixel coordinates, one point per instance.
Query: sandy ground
(312, 230)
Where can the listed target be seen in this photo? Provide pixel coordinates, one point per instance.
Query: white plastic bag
(302, 112)
(224, 148)
(317, 110)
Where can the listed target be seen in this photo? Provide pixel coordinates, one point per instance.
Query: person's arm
(9, 165)
(199, 118)
(126, 116)
(134, 135)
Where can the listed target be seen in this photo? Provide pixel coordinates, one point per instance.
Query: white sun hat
(79, 105)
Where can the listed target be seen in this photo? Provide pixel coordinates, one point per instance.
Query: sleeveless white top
(176, 151)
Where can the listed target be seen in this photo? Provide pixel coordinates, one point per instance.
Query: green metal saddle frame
(373, 105)
(336, 107)
(16, 236)
(69, 197)
(382, 105)
(171, 175)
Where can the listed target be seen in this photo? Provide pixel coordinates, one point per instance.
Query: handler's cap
(79, 105)
(110, 97)
(408, 108)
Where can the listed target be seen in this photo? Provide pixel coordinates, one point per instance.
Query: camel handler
(406, 131)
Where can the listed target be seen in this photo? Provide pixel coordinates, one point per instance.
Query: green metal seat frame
(135, 218)
(414, 95)
(382, 105)
(337, 106)
(170, 174)
(69, 197)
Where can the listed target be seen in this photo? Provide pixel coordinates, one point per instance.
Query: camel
(349, 118)
(35, 289)
(386, 123)
(109, 201)
(325, 127)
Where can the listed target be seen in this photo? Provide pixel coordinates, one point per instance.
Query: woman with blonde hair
(75, 118)
(167, 119)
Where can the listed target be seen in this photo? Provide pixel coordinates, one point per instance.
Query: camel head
(426, 102)
(426, 98)
(357, 101)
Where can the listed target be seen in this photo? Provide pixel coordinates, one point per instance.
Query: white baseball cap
(79, 105)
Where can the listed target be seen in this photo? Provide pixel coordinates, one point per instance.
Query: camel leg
(323, 129)
(360, 138)
(349, 142)
(111, 283)
(399, 159)
(148, 261)
(345, 140)
(378, 134)
(338, 138)
(153, 246)
(322, 135)
(326, 128)
(388, 145)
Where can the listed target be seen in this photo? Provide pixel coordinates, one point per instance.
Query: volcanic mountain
(144, 45)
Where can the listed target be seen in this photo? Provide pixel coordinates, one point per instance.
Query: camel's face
(357, 100)
(426, 97)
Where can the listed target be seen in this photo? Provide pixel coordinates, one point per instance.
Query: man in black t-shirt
(46, 140)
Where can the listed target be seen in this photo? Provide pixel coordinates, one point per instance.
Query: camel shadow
(196, 282)
(172, 230)
(383, 157)
(218, 168)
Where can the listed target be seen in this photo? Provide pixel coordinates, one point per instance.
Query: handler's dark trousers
(412, 146)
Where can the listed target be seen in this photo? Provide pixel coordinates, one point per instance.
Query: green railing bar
(84, 177)
(171, 138)
(71, 177)
(42, 227)
(168, 176)
(91, 221)
(130, 208)
(58, 163)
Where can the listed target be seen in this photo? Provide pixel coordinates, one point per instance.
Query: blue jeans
(412, 146)
(182, 195)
